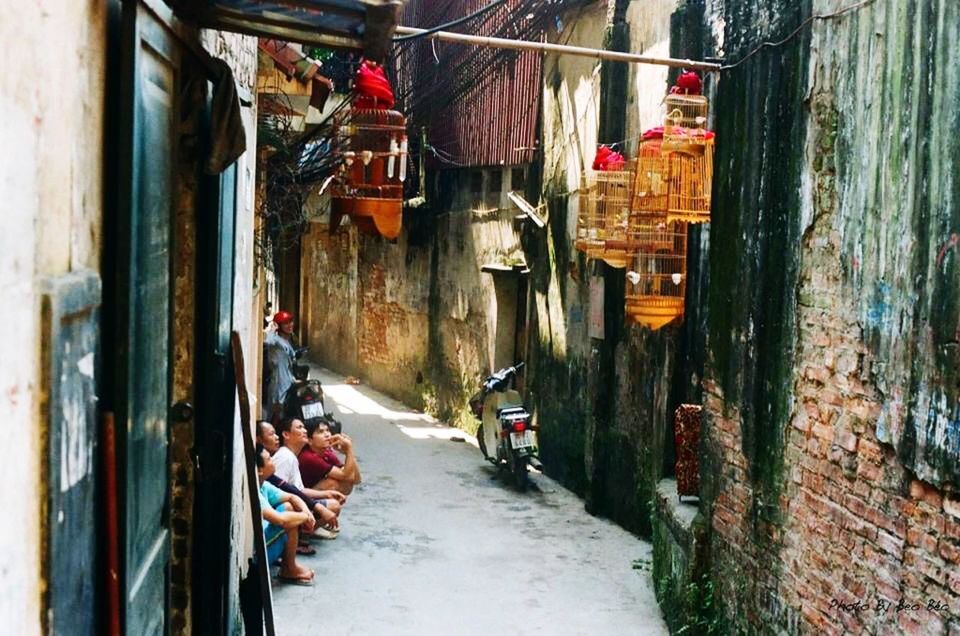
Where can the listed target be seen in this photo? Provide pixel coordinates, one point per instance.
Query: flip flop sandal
(293, 580)
(306, 550)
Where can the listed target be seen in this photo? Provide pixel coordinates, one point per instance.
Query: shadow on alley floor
(432, 543)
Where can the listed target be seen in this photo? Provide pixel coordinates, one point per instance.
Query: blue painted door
(149, 81)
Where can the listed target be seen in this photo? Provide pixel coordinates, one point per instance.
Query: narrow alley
(653, 306)
(432, 543)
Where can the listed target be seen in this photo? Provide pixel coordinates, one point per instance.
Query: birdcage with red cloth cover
(369, 186)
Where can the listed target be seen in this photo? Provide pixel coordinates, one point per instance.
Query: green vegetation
(693, 609)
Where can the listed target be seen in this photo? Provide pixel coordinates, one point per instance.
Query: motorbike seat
(512, 413)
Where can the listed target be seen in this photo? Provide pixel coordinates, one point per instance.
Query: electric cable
(821, 16)
(451, 24)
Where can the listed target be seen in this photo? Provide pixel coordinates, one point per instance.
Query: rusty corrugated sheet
(479, 105)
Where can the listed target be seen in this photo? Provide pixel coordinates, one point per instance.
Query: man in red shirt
(320, 466)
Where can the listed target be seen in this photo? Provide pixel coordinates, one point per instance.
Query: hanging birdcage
(691, 182)
(686, 118)
(656, 285)
(370, 186)
(651, 180)
(604, 221)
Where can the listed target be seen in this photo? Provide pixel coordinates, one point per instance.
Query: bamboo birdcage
(657, 283)
(370, 186)
(686, 117)
(650, 187)
(689, 149)
(691, 183)
(604, 221)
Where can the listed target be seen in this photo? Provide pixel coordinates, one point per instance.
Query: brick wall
(818, 517)
(851, 523)
(377, 317)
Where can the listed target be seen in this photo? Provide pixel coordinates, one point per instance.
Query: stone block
(846, 440)
(891, 544)
(949, 551)
(869, 472)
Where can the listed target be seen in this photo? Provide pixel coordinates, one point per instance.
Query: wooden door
(143, 354)
(213, 597)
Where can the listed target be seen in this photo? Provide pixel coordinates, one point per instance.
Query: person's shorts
(276, 539)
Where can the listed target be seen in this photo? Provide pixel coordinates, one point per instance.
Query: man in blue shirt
(280, 357)
(283, 515)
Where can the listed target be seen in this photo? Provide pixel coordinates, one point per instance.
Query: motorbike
(507, 436)
(304, 398)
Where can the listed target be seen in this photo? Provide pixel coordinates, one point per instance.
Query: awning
(362, 25)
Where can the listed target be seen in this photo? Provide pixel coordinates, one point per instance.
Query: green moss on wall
(754, 239)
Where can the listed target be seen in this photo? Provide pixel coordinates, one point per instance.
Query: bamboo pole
(563, 49)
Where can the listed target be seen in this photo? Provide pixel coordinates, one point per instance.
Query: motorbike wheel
(518, 466)
(483, 444)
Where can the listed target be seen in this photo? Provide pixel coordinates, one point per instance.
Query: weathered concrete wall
(603, 403)
(421, 309)
(415, 318)
(832, 397)
(51, 186)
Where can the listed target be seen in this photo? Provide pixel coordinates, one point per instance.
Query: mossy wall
(606, 403)
(831, 377)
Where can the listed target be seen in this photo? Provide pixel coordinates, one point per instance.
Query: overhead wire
(449, 25)
(822, 16)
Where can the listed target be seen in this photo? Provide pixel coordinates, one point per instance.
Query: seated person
(325, 509)
(319, 464)
(283, 516)
(293, 438)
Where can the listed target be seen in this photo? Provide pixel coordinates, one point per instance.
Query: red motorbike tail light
(308, 398)
(519, 426)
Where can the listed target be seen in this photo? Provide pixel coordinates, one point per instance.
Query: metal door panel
(153, 77)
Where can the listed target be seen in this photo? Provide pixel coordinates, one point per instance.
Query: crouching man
(283, 516)
(321, 467)
(292, 436)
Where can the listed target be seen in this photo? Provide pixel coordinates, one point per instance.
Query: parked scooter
(304, 398)
(507, 436)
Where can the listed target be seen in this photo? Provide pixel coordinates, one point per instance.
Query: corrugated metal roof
(480, 105)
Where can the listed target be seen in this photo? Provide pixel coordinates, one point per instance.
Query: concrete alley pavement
(431, 543)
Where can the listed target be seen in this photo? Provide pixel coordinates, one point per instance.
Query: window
(518, 179)
(496, 181)
(476, 182)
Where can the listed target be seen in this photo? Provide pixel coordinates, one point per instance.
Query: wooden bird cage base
(617, 253)
(617, 258)
(371, 216)
(591, 247)
(690, 216)
(653, 311)
(599, 250)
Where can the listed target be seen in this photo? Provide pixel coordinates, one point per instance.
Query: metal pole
(563, 49)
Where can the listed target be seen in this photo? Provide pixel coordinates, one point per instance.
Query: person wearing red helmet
(280, 357)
